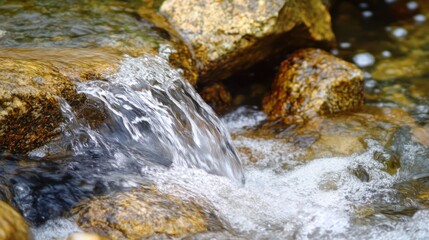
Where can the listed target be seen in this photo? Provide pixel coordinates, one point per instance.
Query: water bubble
(335, 51)
(420, 18)
(400, 32)
(371, 83)
(345, 45)
(363, 5)
(367, 75)
(364, 59)
(386, 54)
(412, 5)
(389, 1)
(367, 14)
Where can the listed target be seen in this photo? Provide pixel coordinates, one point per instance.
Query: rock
(312, 82)
(227, 36)
(85, 236)
(411, 57)
(217, 96)
(410, 66)
(12, 225)
(142, 213)
(336, 135)
(31, 80)
(86, 42)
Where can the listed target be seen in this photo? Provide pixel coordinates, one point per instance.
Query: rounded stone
(312, 82)
(12, 224)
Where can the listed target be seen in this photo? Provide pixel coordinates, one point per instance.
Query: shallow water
(143, 138)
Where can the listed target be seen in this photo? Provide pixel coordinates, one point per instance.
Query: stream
(263, 180)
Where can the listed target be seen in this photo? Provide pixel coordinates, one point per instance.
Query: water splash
(152, 115)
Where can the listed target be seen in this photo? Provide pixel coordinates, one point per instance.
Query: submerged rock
(31, 83)
(12, 224)
(227, 36)
(410, 38)
(142, 213)
(312, 82)
(410, 66)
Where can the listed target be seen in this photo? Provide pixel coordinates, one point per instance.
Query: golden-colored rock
(31, 80)
(12, 224)
(217, 96)
(312, 82)
(227, 36)
(141, 213)
(180, 55)
(412, 65)
(413, 58)
(85, 236)
(336, 135)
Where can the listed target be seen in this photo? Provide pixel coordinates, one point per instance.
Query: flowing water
(146, 125)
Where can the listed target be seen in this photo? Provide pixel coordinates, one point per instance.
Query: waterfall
(152, 116)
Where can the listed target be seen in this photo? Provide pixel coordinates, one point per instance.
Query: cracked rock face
(312, 82)
(227, 36)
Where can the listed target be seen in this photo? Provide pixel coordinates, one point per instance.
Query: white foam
(315, 200)
(55, 229)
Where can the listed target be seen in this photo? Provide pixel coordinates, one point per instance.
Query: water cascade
(152, 115)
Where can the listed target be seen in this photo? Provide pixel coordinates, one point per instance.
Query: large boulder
(227, 36)
(312, 82)
(12, 224)
(142, 213)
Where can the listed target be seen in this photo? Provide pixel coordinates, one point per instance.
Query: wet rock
(312, 82)
(413, 65)
(227, 36)
(142, 213)
(410, 37)
(217, 96)
(85, 236)
(12, 225)
(175, 48)
(412, 152)
(336, 135)
(31, 82)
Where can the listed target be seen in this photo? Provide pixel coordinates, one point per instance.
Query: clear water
(153, 115)
(147, 126)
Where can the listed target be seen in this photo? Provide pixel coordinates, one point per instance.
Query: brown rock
(12, 224)
(217, 96)
(31, 80)
(141, 213)
(312, 82)
(227, 36)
